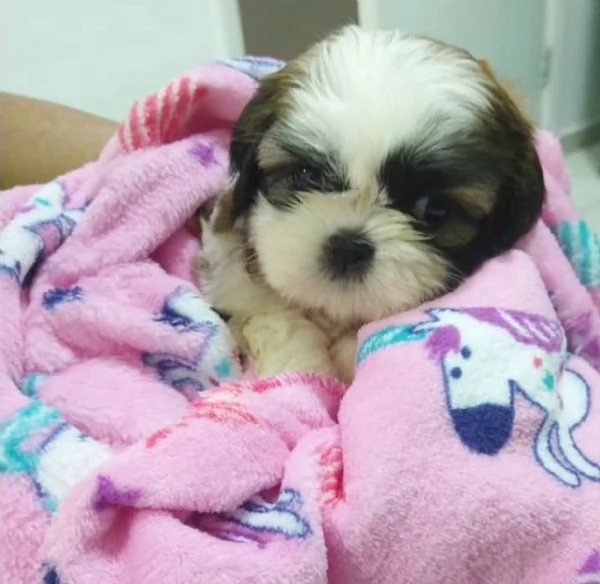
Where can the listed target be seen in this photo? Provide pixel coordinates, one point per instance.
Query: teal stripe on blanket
(582, 247)
(37, 443)
(585, 237)
(17, 430)
(30, 385)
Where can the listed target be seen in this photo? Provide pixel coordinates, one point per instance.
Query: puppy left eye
(304, 178)
(431, 210)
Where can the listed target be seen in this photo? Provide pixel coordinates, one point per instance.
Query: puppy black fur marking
(371, 174)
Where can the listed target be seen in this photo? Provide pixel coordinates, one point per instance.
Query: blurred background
(101, 56)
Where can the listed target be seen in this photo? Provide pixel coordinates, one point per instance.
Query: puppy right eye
(431, 210)
(304, 178)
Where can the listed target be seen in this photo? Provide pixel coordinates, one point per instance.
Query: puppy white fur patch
(372, 174)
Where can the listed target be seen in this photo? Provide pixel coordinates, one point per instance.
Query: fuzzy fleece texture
(132, 448)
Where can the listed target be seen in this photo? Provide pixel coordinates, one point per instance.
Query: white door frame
(226, 15)
(368, 16)
(554, 42)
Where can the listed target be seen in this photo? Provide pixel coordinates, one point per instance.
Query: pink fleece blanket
(132, 451)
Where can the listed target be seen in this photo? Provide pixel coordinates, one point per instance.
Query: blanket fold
(136, 447)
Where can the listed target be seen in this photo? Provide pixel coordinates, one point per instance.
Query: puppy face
(377, 170)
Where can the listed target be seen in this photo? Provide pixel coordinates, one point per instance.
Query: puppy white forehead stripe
(368, 92)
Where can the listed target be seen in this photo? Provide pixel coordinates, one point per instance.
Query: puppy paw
(343, 357)
(285, 341)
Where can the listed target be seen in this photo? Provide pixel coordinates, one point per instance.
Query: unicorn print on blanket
(37, 230)
(187, 313)
(259, 520)
(37, 443)
(589, 573)
(486, 357)
(255, 67)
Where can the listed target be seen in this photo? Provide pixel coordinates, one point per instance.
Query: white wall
(576, 95)
(101, 55)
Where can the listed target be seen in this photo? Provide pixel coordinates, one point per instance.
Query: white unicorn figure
(38, 443)
(22, 241)
(259, 520)
(488, 355)
(186, 311)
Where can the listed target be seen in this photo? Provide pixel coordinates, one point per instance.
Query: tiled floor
(584, 168)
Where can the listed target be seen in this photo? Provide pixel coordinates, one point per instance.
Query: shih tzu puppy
(371, 174)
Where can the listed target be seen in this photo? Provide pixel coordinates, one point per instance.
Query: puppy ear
(257, 117)
(518, 187)
(520, 195)
(522, 192)
(486, 66)
(507, 85)
(520, 202)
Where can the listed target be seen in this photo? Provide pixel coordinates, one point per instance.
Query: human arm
(40, 140)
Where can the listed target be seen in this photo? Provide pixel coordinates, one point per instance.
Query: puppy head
(378, 169)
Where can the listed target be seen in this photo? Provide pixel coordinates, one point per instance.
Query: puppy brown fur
(371, 174)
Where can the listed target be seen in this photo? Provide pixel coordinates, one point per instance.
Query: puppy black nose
(347, 254)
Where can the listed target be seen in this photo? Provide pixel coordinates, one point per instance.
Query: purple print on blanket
(50, 575)
(589, 573)
(108, 495)
(57, 296)
(488, 355)
(256, 67)
(36, 231)
(204, 153)
(259, 520)
(187, 313)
